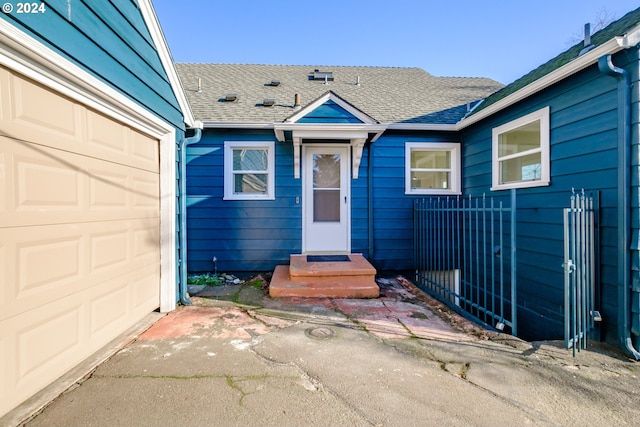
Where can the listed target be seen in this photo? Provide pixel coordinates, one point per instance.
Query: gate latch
(569, 266)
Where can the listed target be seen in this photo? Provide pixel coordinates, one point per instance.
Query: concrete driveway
(238, 358)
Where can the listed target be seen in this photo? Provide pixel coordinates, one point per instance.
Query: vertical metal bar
(592, 263)
(501, 238)
(514, 296)
(572, 253)
(493, 263)
(484, 255)
(464, 279)
(459, 225)
(477, 237)
(567, 315)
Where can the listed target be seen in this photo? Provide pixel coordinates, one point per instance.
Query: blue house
(91, 118)
(331, 160)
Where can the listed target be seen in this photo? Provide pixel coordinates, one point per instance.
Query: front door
(326, 209)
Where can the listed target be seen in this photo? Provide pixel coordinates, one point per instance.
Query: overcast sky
(502, 40)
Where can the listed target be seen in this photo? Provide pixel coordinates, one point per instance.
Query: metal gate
(465, 255)
(579, 266)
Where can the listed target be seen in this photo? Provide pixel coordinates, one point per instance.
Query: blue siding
(583, 154)
(392, 209)
(109, 40)
(244, 235)
(329, 112)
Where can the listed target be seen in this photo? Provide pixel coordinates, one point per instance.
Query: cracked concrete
(399, 360)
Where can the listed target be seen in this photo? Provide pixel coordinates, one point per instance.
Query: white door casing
(326, 210)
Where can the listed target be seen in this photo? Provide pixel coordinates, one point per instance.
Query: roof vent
(230, 97)
(322, 75)
(275, 82)
(269, 102)
(587, 40)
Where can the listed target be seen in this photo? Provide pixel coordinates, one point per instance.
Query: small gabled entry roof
(329, 117)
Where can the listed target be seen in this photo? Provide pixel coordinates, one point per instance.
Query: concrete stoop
(355, 278)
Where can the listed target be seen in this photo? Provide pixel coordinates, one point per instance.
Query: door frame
(307, 190)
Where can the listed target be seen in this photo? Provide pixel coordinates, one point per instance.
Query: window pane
(421, 159)
(326, 171)
(424, 180)
(521, 139)
(250, 160)
(326, 205)
(525, 168)
(250, 183)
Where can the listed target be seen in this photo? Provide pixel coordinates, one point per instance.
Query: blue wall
(583, 155)
(244, 235)
(392, 209)
(258, 235)
(110, 40)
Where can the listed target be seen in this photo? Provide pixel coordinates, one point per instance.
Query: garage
(80, 240)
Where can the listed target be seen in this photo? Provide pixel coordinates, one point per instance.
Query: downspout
(370, 247)
(183, 298)
(606, 67)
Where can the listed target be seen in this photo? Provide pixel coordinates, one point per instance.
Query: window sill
(527, 184)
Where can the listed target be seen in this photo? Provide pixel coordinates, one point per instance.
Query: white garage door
(79, 234)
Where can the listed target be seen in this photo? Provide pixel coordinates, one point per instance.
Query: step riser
(357, 266)
(328, 284)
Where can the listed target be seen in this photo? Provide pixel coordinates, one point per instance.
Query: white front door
(326, 199)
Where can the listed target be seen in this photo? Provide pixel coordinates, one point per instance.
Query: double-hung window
(521, 152)
(432, 168)
(249, 169)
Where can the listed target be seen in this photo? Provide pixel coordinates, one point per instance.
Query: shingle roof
(389, 95)
(617, 28)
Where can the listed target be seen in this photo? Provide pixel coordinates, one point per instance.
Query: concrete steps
(329, 278)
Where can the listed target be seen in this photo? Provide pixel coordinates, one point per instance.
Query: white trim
(422, 126)
(32, 59)
(330, 96)
(541, 115)
(229, 146)
(307, 196)
(454, 169)
(150, 17)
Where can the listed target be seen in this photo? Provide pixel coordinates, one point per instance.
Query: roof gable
(330, 108)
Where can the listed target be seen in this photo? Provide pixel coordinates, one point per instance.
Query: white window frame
(229, 146)
(455, 169)
(543, 116)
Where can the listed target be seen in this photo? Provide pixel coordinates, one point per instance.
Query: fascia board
(422, 126)
(207, 124)
(612, 46)
(150, 17)
(307, 109)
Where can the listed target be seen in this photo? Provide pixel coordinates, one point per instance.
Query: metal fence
(579, 271)
(465, 255)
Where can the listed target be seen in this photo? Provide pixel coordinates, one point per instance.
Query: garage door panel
(144, 295)
(69, 126)
(48, 341)
(50, 262)
(145, 151)
(79, 233)
(52, 116)
(42, 342)
(110, 308)
(52, 186)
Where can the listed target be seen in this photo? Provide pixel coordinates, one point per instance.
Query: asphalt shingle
(389, 95)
